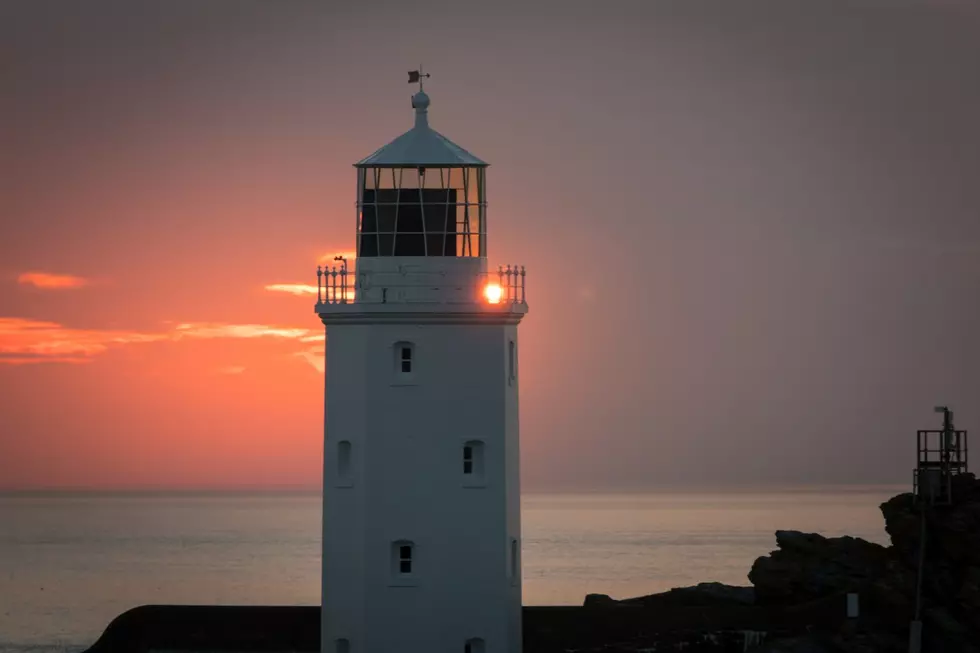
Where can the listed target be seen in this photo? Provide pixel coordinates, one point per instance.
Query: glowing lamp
(493, 293)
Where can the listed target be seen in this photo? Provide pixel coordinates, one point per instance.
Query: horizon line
(684, 488)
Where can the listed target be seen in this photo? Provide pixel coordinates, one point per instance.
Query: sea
(70, 563)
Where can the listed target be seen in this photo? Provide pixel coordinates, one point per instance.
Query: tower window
(473, 463)
(403, 558)
(404, 360)
(511, 361)
(344, 462)
(404, 565)
(515, 567)
(474, 645)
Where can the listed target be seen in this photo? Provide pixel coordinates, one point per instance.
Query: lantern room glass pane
(421, 212)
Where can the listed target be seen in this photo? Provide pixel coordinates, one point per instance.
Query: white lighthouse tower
(421, 497)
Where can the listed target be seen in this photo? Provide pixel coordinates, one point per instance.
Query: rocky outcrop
(702, 594)
(807, 566)
(798, 591)
(599, 601)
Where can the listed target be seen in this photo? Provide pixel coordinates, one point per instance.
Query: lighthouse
(421, 493)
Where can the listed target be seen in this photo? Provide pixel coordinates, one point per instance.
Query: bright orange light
(493, 293)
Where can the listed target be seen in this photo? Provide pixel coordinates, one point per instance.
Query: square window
(405, 566)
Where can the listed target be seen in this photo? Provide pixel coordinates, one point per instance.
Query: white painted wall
(407, 479)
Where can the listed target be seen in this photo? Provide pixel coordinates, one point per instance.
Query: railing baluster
(523, 291)
(319, 284)
(343, 283)
(515, 281)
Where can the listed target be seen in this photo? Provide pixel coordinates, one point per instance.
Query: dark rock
(951, 579)
(801, 644)
(953, 532)
(702, 594)
(942, 620)
(599, 601)
(968, 596)
(847, 640)
(809, 566)
(891, 596)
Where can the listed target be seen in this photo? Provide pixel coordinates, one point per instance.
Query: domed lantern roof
(420, 146)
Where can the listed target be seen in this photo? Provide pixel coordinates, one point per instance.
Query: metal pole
(915, 628)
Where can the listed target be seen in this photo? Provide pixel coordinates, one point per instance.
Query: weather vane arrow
(415, 77)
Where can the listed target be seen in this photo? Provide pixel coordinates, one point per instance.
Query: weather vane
(415, 76)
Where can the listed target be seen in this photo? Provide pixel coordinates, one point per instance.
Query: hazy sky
(751, 229)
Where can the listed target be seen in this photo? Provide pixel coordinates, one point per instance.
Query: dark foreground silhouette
(796, 604)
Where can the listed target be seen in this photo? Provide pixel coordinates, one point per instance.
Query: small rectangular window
(511, 361)
(405, 559)
(514, 559)
(406, 360)
(402, 571)
(473, 464)
(343, 462)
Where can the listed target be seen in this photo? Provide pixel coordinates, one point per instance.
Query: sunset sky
(751, 229)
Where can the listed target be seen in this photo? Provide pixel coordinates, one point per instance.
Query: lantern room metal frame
(411, 210)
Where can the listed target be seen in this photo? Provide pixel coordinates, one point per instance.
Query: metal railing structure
(941, 454)
(512, 284)
(334, 287)
(331, 284)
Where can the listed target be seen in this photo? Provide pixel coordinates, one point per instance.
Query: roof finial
(420, 101)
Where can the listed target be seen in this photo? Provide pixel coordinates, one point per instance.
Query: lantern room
(421, 196)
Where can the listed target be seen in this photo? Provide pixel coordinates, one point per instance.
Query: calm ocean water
(70, 563)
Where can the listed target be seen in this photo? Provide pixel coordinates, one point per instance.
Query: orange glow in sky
(50, 281)
(711, 267)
